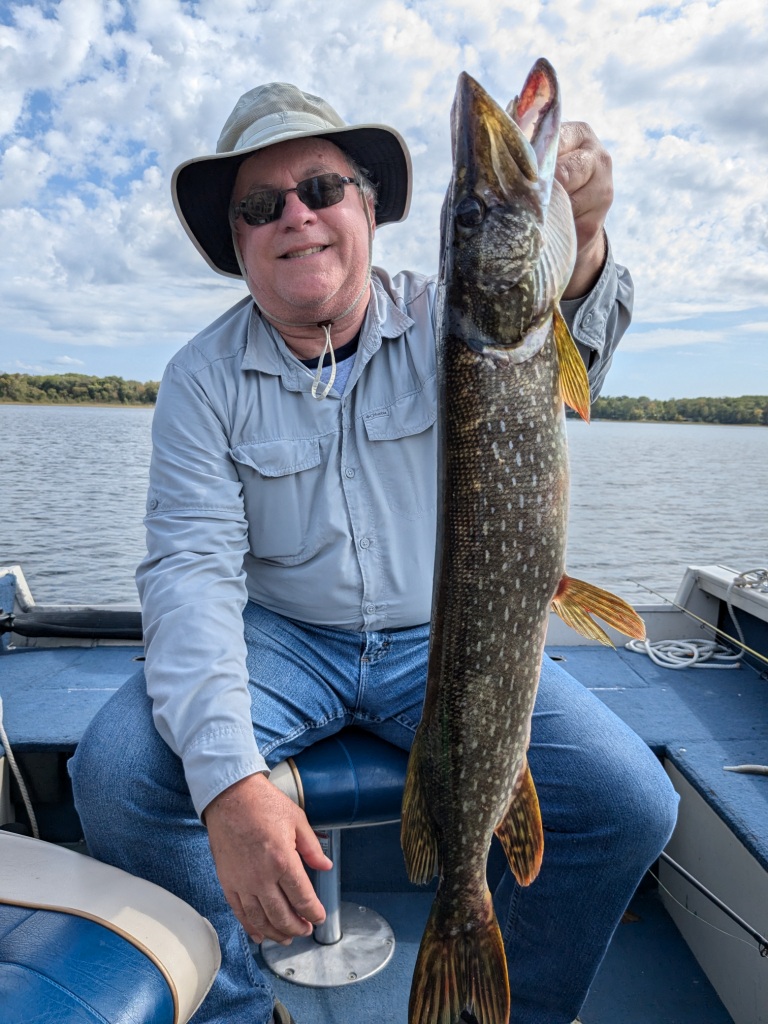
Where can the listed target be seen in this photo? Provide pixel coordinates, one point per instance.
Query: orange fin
(574, 383)
(575, 600)
(417, 834)
(460, 968)
(520, 831)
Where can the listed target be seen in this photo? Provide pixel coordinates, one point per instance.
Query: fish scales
(508, 245)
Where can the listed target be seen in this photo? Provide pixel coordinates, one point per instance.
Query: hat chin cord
(325, 325)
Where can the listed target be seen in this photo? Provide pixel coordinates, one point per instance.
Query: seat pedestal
(352, 944)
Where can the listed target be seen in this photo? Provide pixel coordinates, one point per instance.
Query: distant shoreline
(81, 405)
(79, 389)
(594, 419)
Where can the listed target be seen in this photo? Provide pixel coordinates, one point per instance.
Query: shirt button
(587, 320)
(349, 472)
(365, 543)
(370, 609)
(153, 503)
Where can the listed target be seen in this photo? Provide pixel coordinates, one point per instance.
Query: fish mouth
(491, 148)
(508, 234)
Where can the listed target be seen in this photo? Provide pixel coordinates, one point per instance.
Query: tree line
(744, 410)
(75, 389)
(78, 388)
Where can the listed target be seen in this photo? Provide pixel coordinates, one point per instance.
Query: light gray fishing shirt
(323, 511)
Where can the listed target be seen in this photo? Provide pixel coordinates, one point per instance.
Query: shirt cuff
(219, 759)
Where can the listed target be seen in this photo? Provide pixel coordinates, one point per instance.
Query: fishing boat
(81, 941)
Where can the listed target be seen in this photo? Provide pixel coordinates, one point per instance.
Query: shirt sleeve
(192, 589)
(598, 321)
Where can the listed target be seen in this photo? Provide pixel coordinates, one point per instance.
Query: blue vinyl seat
(349, 780)
(85, 943)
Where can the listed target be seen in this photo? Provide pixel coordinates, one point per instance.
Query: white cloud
(107, 97)
(669, 337)
(67, 361)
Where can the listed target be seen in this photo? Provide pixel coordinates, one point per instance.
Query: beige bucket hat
(276, 112)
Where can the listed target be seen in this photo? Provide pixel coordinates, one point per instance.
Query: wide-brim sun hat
(277, 112)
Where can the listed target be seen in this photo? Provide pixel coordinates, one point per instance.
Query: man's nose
(294, 209)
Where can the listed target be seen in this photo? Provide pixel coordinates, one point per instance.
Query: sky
(102, 100)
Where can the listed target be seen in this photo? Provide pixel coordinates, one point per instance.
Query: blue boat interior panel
(649, 975)
(51, 694)
(702, 719)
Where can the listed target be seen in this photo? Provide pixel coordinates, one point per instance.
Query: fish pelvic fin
(576, 601)
(458, 969)
(417, 833)
(520, 831)
(574, 383)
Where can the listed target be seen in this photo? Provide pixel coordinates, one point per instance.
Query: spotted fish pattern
(505, 363)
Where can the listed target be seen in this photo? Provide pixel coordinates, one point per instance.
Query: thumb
(309, 848)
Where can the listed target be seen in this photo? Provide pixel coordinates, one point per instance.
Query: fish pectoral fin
(520, 831)
(576, 601)
(574, 383)
(460, 968)
(417, 833)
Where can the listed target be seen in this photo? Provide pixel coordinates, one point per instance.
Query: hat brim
(202, 187)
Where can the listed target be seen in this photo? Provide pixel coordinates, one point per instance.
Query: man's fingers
(301, 895)
(584, 163)
(271, 917)
(573, 135)
(309, 848)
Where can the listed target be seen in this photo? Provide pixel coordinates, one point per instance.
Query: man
(290, 531)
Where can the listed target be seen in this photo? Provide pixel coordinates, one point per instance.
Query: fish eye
(470, 213)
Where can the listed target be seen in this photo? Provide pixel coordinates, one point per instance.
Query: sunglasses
(317, 192)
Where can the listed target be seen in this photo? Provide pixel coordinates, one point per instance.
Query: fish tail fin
(574, 383)
(520, 830)
(575, 601)
(460, 968)
(417, 833)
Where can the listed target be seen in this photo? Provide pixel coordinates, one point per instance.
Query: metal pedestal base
(366, 945)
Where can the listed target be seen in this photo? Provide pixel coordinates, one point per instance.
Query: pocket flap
(279, 458)
(409, 415)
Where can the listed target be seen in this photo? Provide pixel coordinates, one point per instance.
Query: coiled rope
(700, 653)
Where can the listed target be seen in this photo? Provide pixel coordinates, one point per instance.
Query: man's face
(310, 265)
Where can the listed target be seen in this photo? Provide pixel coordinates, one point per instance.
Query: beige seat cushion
(182, 944)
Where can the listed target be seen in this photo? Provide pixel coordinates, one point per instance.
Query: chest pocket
(280, 484)
(404, 451)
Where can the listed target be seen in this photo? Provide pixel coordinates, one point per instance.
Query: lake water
(647, 500)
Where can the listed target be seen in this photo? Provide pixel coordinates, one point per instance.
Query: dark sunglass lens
(262, 207)
(321, 191)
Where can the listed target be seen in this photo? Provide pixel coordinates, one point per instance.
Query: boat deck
(699, 720)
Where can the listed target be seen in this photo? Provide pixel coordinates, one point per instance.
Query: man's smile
(303, 252)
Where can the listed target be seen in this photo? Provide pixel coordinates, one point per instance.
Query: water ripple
(647, 500)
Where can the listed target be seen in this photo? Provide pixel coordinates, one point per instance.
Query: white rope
(686, 653)
(17, 775)
(698, 653)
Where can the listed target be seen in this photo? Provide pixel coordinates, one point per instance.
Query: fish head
(508, 238)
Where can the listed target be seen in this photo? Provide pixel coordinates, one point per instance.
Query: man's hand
(258, 838)
(584, 170)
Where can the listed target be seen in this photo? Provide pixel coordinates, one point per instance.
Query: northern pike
(506, 363)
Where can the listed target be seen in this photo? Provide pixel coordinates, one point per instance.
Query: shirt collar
(266, 351)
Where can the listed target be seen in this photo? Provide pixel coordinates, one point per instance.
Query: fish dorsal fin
(574, 383)
(576, 601)
(520, 831)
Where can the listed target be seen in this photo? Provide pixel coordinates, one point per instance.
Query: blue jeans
(607, 806)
